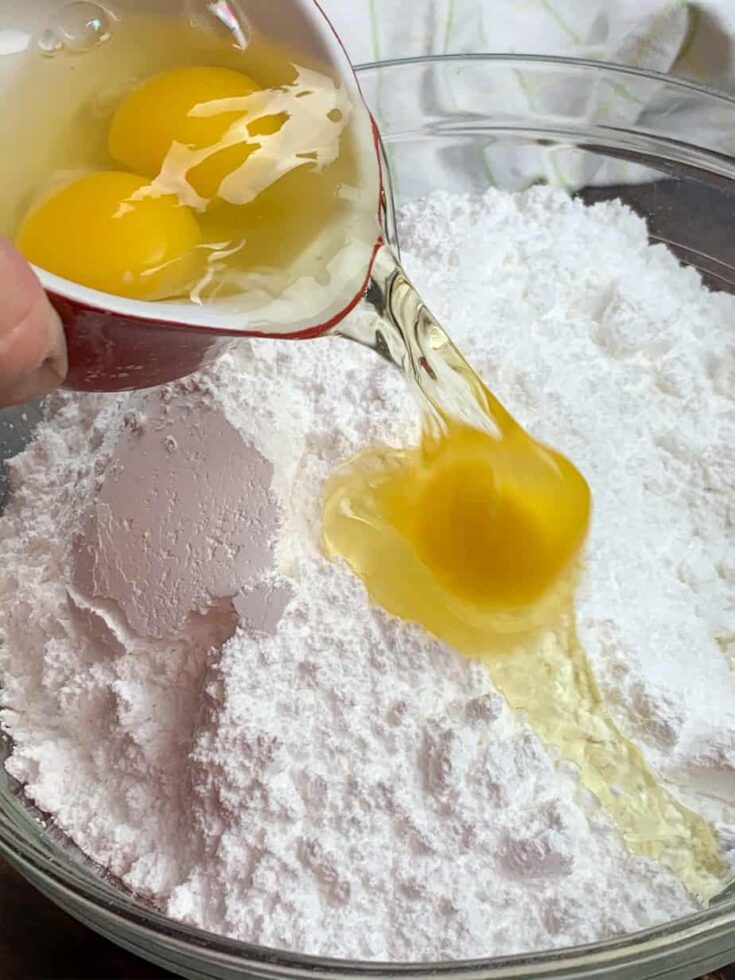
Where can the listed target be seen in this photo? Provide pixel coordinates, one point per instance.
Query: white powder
(242, 738)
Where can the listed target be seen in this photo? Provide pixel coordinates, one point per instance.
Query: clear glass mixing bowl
(467, 123)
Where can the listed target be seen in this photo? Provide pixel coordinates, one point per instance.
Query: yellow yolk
(107, 231)
(471, 535)
(495, 520)
(160, 113)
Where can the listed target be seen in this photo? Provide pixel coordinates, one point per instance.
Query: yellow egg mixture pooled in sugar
(476, 534)
(473, 533)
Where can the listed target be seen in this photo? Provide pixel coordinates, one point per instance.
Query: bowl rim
(513, 58)
(91, 890)
(62, 874)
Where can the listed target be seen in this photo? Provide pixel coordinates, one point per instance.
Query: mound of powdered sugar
(219, 716)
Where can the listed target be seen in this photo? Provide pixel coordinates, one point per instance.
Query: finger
(32, 344)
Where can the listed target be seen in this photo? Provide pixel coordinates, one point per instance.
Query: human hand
(32, 344)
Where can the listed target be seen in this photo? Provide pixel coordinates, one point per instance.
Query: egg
(160, 113)
(475, 536)
(113, 232)
(495, 520)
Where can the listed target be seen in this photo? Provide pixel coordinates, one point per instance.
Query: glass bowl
(465, 123)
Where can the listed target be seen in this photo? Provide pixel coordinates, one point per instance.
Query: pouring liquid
(476, 534)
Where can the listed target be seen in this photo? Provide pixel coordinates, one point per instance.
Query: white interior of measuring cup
(296, 307)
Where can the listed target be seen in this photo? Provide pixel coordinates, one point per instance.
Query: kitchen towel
(691, 40)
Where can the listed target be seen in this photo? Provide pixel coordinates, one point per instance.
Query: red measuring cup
(117, 343)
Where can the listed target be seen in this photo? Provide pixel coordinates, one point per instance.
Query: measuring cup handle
(111, 351)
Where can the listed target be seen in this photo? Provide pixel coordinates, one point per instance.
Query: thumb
(32, 344)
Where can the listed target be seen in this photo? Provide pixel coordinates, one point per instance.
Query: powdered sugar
(607, 348)
(276, 759)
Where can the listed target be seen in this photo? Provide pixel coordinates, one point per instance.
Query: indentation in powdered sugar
(183, 516)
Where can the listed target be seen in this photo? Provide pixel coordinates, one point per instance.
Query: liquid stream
(534, 655)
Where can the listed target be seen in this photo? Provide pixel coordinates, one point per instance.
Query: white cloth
(692, 40)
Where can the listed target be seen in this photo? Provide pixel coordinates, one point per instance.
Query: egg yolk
(471, 535)
(110, 231)
(159, 114)
(495, 520)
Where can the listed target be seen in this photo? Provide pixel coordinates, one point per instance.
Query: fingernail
(56, 357)
(39, 383)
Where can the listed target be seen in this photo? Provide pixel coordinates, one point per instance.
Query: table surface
(40, 942)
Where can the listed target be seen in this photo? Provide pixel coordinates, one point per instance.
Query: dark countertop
(40, 942)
